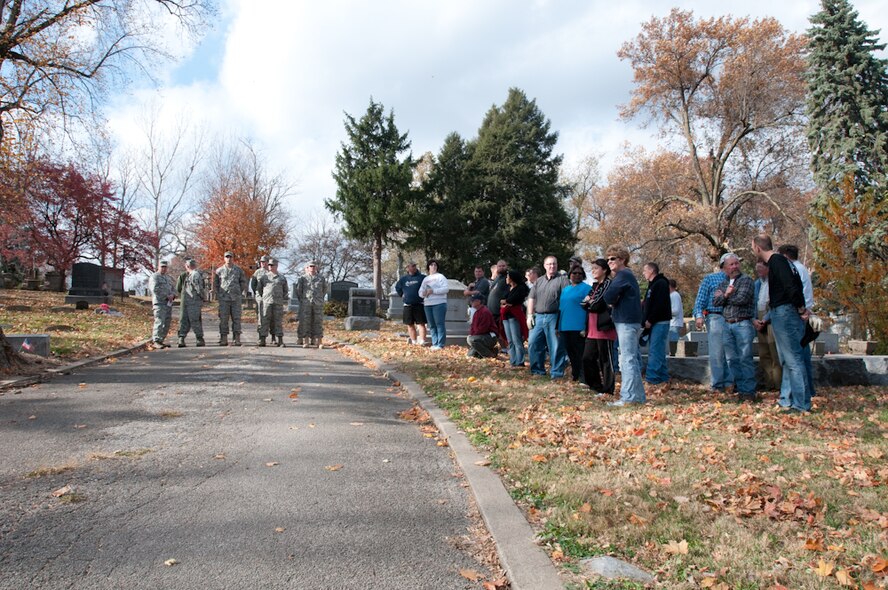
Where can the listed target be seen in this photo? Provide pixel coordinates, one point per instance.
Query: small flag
(26, 345)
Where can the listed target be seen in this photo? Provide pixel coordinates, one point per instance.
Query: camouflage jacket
(255, 287)
(229, 283)
(161, 288)
(273, 288)
(191, 288)
(311, 289)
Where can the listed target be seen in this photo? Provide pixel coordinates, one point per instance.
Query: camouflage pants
(260, 316)
(272, 320)
(311, 320)
(230, 309)
(190, 319)
(163, 314)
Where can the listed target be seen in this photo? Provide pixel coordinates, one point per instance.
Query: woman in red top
(598, 363)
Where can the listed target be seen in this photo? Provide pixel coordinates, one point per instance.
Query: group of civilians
(567, 319)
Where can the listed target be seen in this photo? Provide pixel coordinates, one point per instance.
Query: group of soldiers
(268, 286)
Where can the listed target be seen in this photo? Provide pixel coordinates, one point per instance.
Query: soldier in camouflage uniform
(162, 296)
(311, 288)
(257, 294)
(229, 283)
(273, 287)
(192, 295)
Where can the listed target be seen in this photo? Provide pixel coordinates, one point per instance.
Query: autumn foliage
(850, 249)
(238, 222)
(730, 94)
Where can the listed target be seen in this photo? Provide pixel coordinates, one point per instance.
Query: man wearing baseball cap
(257, 293)
(229, 284)
(162, 295)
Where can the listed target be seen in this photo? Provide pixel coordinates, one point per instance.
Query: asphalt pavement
(226, 468)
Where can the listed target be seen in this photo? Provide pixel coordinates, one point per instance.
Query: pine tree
(847, 103)
(518, 210)
(373, 181)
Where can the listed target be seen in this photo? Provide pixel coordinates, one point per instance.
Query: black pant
(573, 342)
(598, 365)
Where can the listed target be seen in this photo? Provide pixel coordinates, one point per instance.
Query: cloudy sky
(283, 72)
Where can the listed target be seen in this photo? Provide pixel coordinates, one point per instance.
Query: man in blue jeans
(624, 299)
(656, 313)
(736, 297)
(788, 317)
(542, 321)
(711, 315)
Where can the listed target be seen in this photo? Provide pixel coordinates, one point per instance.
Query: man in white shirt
(676, 325)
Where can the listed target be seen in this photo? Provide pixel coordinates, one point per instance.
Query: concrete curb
(526, 564)
(64, 370)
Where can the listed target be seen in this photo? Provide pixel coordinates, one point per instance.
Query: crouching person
(482, 337)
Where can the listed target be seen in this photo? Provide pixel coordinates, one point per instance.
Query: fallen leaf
(540, 459)
(814, 545)
(472, 379)
(279, 529)
(82, 385)
(676, 547)
(63, 491)
(79, 426)
(708, 582)
(880, 565)
(586, 507)
(470, 575)
(844, 578)
(32, 417)
(294, 395)
(220, 456)
(272, 464)
(606, 492)
(637, 520)
(311, 425)
(824, 569)
(558, 555)
(443, 443)
(681, 499)
(483, 463)
(336, 467)
(171, 562)
(267, 399)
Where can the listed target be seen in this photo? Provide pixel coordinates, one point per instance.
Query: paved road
(168, 455)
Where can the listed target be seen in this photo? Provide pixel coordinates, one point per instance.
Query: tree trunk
(10, 360)
(377, 269)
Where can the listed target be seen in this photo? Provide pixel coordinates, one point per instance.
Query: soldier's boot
(223, 339)
(273, 339)
(237, 341)
(300, 342)
(181, 343)
(279, 341)
(261, 340)
(307, 343)
(201, 342)
(319, 344)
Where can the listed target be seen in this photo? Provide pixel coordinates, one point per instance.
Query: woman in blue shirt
(572, 319)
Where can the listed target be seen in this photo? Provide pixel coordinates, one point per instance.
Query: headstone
(862, 346)
(88, 284)
(18, 308)
(830, 342)
(395, 310)
(53, 281)
(362, 302)
(339, 290)
(685, 348)
(62, 309)
(702, 340)
(294, 300)
(32, 343)
(456, 322)
(80, 304)
(362, 310)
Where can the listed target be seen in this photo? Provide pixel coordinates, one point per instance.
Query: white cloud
(290, 68)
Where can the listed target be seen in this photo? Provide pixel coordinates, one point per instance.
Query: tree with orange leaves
(732, 92)
(243, 210)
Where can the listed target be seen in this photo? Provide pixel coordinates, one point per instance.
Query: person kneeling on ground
(482, 337)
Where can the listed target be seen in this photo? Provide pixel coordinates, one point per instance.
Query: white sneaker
(435, 348)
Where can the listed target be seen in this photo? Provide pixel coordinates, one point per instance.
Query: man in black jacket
(788, 315)
(656, 313)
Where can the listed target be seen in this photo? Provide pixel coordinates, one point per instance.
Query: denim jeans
(657, 372)
(631, 387)
(788, 330)
(516, 342)
(541, 336)
(738, 351)
(720, 373)
(435, 316)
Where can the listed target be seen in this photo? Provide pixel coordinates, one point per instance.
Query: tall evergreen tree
(847, 103)
(373, 182)
(518, 211)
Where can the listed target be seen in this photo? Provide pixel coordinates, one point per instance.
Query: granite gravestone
(88, 284)
(362, 310)
(339, 290)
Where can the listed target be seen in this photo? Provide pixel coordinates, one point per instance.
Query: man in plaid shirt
(736, 296)
(706, 311)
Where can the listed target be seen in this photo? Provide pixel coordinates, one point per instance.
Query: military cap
(272, 261)
(164, 263)
(264, 258)
(229, 253)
